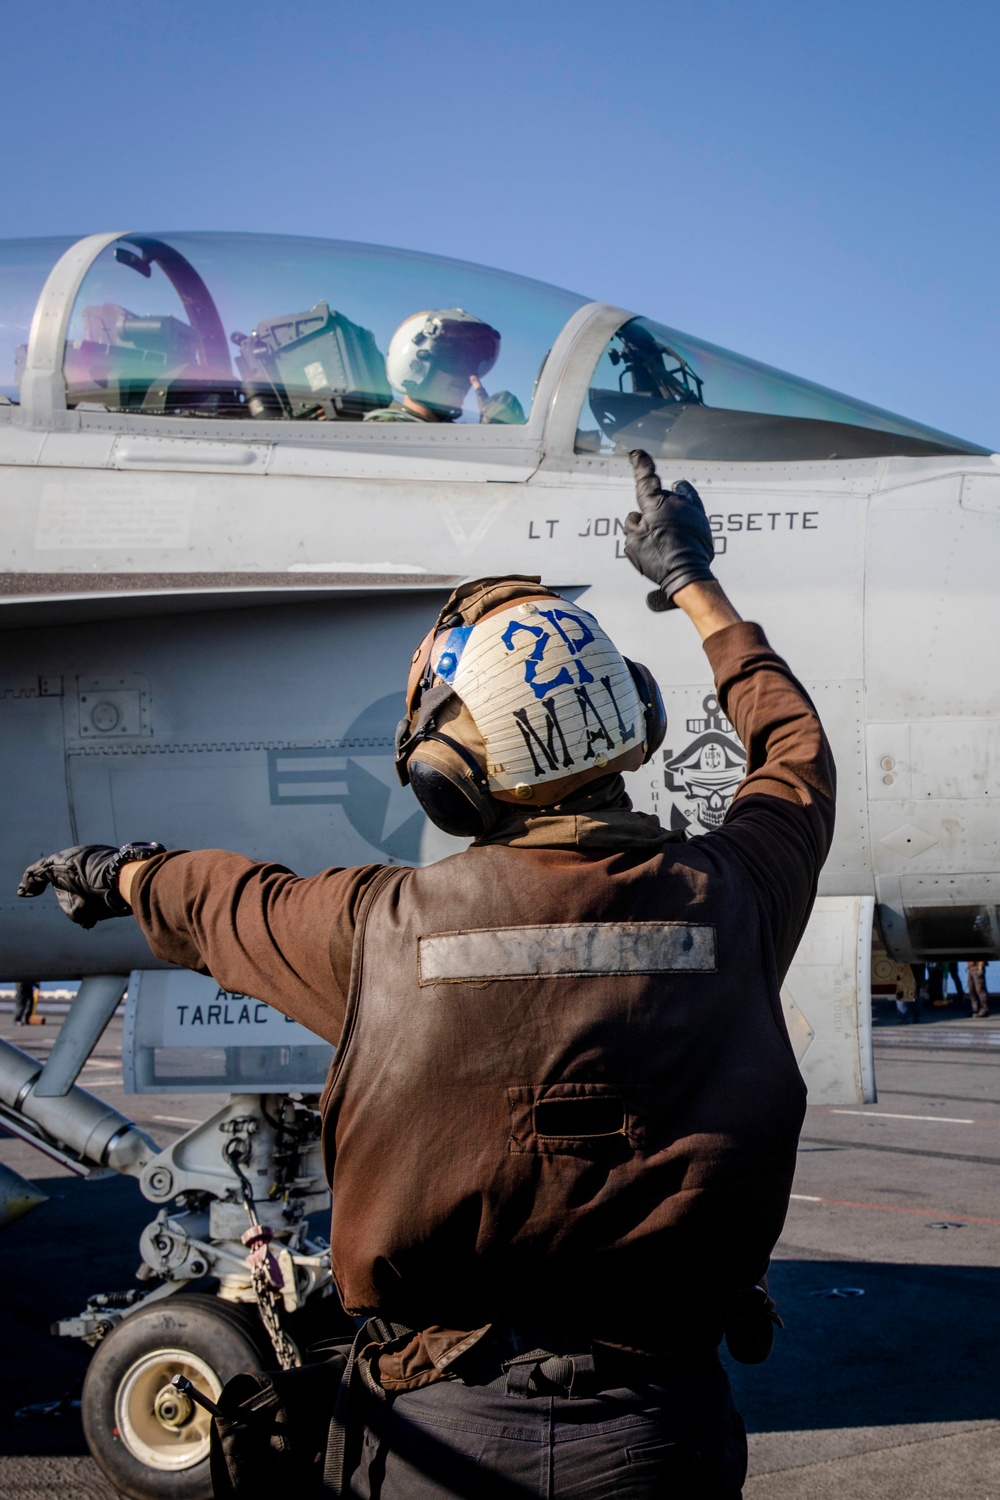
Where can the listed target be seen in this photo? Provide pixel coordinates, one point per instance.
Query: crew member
(978, 993)
(562, 1119)
(435, 358)
(25, 1000)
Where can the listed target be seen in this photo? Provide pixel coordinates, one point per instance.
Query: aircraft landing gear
(151, 1441)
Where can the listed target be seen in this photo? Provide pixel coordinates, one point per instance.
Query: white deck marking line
(176, 1120)
(947, 1039)
(894, 1208)
(885, 1114)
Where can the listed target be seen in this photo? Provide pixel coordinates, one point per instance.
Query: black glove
(669, 539)
(79, 877)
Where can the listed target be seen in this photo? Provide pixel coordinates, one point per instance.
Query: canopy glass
(677, 397)
(273, 327)
(24, 267)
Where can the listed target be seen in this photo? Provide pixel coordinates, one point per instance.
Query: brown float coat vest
(615, 1137)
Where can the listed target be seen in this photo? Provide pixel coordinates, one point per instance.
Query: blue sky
(814, 185)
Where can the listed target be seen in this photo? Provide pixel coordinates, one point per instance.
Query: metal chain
(263, 1287)
(285, 1350)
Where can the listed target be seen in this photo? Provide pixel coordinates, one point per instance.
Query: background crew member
(978, 994)
(562, 1120)
(25, 1000)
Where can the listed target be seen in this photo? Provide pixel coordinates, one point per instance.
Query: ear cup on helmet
(652, 702)
(451, 788)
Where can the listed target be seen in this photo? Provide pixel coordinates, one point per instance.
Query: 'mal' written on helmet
(549, 693)
(525, 702)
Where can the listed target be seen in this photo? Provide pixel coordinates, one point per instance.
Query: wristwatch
(127, 854)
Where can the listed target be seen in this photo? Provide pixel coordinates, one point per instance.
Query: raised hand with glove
(669, 541)
(85, 879)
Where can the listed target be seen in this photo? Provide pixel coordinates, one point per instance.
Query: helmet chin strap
(407, 739)
(442, 413)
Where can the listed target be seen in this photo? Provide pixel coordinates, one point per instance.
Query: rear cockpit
(271, 329)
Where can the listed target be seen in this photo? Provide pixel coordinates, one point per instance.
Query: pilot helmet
(517, 696)
(433, 355)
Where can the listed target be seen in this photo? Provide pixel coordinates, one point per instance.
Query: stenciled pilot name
(723, 524)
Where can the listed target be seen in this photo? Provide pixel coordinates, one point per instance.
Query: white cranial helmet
(517, 695)
(449, 343)
(550, 694)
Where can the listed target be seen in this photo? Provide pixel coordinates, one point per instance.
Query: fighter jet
(240, 474)
(240, 471)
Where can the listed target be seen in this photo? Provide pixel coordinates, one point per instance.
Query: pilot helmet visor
(450, 343)
(465, 348)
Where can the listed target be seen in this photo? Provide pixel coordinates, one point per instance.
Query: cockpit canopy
(678, 397)
(270, 327)
(273, 328)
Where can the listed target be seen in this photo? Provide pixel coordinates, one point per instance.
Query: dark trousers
(24, 1002)
(679, 1437)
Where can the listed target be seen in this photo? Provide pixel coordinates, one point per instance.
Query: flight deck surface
(891, 1393)
(887, 1276)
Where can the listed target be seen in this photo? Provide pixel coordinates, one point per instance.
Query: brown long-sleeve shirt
(263, 931)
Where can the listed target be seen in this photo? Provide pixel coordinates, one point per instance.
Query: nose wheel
(160, 1425)
(151, 1439)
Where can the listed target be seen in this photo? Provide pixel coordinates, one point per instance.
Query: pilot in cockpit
(435, 359)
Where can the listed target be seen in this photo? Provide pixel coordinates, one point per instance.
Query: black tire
(156, 1453)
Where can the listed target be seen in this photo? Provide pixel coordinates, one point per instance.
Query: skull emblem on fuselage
(707, 771)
